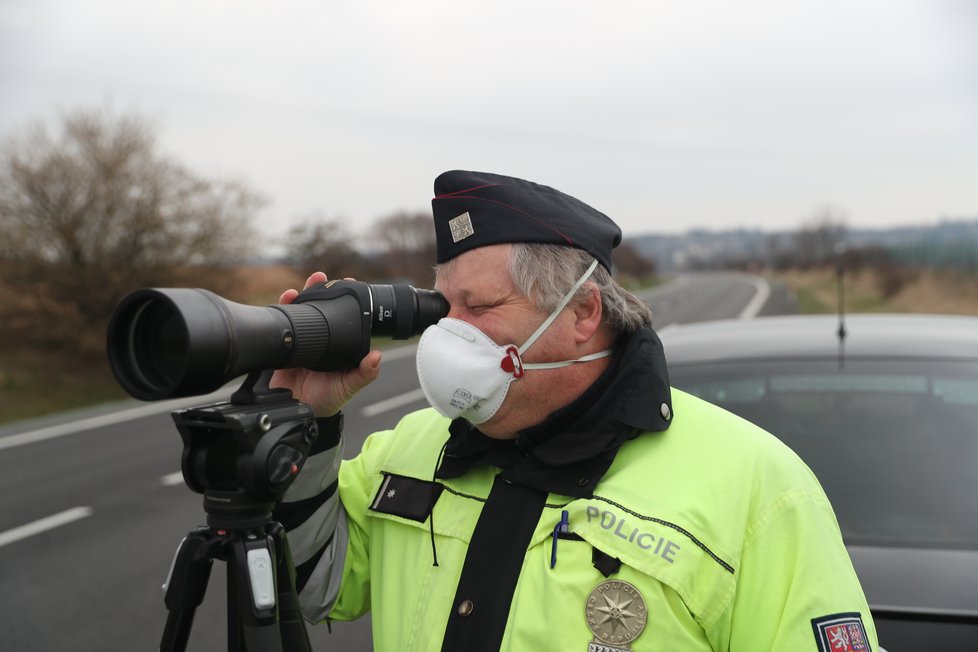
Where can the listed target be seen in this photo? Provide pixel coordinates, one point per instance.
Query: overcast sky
(666, 115)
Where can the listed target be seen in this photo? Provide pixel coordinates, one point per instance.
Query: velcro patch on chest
(840, 633)
(406, 497)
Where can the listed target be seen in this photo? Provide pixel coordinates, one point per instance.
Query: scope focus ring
(310, 335)
(405, 312)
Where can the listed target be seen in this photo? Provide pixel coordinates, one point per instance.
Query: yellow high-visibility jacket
(725, 535)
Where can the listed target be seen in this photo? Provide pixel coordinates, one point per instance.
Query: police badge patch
(616, 614)
(461, 227)
(841, 633)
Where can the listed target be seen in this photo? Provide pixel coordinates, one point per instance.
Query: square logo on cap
(461, 227)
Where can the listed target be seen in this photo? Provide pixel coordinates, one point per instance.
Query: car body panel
(944, 336)
(888, 420)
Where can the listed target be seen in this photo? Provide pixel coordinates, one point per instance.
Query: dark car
(887, 418)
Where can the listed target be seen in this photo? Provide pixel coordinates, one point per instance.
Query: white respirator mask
(464, 373)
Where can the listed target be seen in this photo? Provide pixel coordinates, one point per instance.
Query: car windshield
(894, 443)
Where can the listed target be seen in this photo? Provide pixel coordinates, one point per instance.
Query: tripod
(242, 455)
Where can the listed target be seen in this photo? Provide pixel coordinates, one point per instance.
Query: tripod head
(243, 454)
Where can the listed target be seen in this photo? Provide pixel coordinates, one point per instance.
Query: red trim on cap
(458, 192)
(563, 235)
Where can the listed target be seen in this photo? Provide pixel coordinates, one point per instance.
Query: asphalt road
(94, 505)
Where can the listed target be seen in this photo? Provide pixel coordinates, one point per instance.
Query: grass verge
(36, 383)
(872, 290)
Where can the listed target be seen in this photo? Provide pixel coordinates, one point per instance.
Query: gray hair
(545, 272)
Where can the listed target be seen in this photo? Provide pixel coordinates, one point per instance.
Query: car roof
(806, 336)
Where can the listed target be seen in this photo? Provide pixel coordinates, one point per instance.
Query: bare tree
(629, 262)
(328, 245)
(818, 241)
(94, 211)
(407, 242)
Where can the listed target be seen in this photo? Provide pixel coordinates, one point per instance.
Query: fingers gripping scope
(172, 342)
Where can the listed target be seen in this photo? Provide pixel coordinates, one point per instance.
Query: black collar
(572, 449)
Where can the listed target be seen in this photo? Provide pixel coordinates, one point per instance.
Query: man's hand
(325, 392)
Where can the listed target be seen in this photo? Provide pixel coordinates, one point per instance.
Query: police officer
(558, 495)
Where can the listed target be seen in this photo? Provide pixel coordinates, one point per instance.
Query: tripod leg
(291, 622)
(185, 587)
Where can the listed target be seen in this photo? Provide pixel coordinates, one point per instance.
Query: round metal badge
(616, 613)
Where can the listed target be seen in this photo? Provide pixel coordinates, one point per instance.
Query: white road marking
(172, 479)
(398, 353)
(159, 407)
(44, 524)
(93, 423)
(392, 403)
(758, 300)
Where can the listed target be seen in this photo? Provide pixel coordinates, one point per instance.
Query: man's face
(480, 291)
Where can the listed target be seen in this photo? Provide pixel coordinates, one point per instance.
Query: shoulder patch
(840, 633)
(406, 497)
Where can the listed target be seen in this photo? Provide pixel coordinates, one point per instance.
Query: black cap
(475, 209)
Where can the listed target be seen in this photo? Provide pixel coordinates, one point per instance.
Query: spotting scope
(172, 342)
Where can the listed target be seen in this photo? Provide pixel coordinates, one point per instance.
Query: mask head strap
(563, 304)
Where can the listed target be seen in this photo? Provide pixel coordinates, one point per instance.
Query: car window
(894, 443)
